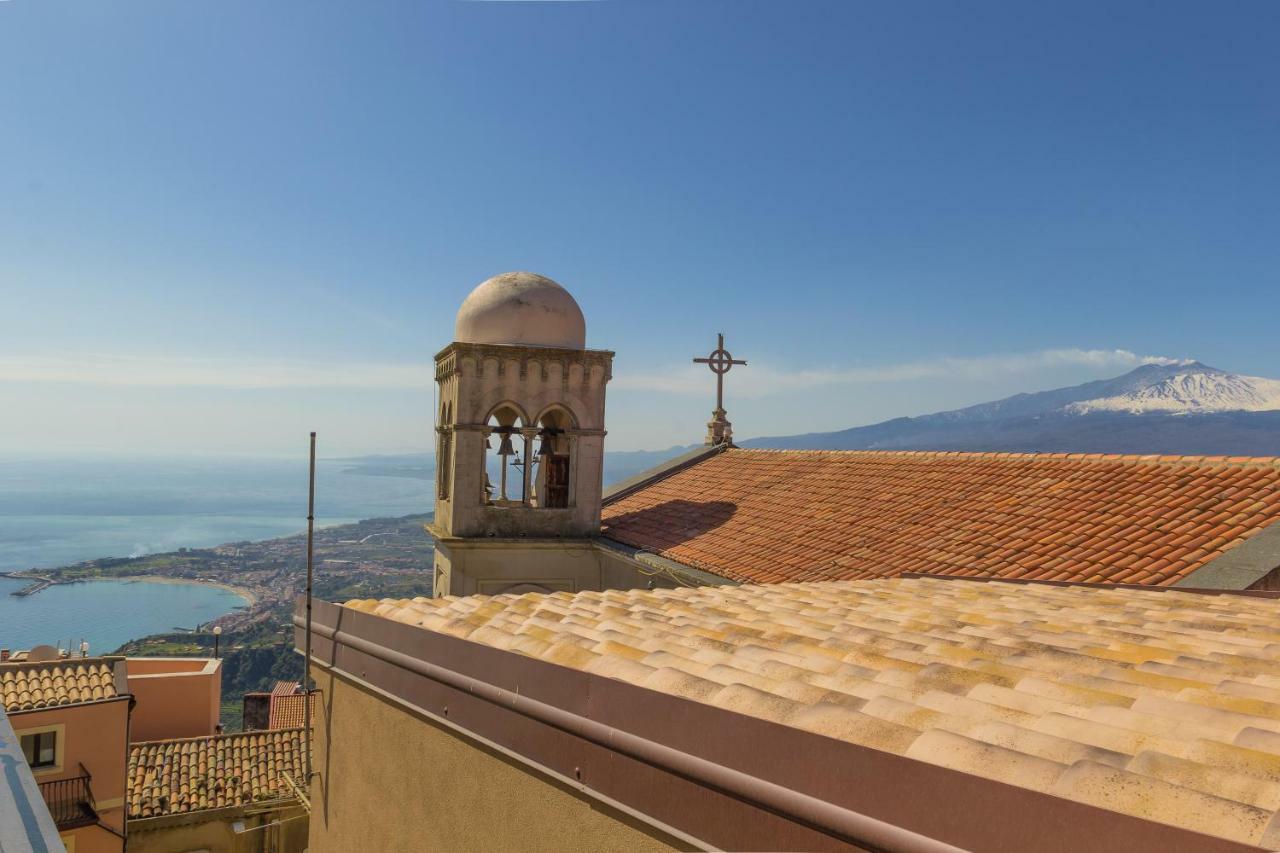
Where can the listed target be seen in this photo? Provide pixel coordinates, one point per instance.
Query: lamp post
(217, 632)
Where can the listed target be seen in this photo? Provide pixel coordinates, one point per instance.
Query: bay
(105, 613)
(55, 511)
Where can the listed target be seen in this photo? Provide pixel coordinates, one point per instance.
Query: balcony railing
(70, 801)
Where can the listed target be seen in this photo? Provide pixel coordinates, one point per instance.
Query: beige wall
(95, 735)
(176, 697)
(436, 790)
(494, 566)
(91, 839)
(171, 835)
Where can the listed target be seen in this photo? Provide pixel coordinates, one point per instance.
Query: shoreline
(250, 598)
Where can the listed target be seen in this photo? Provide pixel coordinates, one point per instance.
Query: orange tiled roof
(765, 516)
(288, 712)
(29, 686)
(1160, 704)
(193, 774)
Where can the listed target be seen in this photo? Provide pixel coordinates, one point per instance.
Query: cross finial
(720, 361)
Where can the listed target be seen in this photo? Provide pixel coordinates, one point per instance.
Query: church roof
(1159, 704)
(767, 516)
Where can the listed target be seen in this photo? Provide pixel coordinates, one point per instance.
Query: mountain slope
(1180, 408)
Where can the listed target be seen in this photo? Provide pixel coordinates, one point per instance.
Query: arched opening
(505, 455)
(444, 450)
(554, 459)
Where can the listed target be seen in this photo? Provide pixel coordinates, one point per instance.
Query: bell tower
(519, 438)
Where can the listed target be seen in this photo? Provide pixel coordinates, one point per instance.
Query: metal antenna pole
(306, 666)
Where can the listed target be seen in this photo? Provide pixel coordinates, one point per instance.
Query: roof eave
(1242, 566)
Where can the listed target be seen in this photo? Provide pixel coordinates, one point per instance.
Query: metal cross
(720, 362)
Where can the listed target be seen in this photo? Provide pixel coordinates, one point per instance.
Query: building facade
(71, 717)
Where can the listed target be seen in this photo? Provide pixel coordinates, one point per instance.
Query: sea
(55, 511)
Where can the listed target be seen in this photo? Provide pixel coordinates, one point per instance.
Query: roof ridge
(213, 737)
(1132, 458)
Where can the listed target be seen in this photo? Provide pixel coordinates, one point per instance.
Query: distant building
(281, 708)
(76, 716)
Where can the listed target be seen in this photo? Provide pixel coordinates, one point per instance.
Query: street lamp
(217, 632)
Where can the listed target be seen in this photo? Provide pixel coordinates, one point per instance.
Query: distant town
(378, 557)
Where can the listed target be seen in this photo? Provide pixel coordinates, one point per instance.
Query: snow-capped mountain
(1192, 388)
(1182, 407)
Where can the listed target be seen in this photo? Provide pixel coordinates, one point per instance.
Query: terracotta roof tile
(28, 686)
(288, 712)
(768, 516)
(1159, 704)
(193, 774)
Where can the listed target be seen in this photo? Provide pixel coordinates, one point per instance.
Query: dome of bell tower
(521, 309)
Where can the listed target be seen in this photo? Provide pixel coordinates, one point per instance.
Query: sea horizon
(60, 510)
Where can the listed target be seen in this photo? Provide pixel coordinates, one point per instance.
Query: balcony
(70, 801)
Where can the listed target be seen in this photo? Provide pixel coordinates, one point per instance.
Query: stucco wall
(390, 780)
(493, 566)
(92, 839)
(95, 735)
(217, 836)
(176, 697)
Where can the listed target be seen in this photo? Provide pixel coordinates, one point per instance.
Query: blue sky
(224, 224)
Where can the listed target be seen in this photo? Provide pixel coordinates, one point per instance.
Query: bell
(505, 448)
(544, 449)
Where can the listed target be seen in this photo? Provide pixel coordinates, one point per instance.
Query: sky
(224, 224)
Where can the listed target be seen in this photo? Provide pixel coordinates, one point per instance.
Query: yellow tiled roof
(1159, 704)
(178, 776)
(28, 686)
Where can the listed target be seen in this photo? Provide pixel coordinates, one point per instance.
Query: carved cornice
(448, 359)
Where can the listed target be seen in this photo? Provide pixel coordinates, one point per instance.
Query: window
(41, 749)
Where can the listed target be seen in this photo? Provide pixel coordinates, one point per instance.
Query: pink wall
(176, 697)
(92, 735)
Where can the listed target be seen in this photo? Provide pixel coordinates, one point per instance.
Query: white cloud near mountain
(754, 380)
(761, 379)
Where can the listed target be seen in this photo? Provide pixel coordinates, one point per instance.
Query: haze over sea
(56, 511)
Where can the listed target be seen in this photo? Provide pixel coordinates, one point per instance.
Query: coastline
(250, 598)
